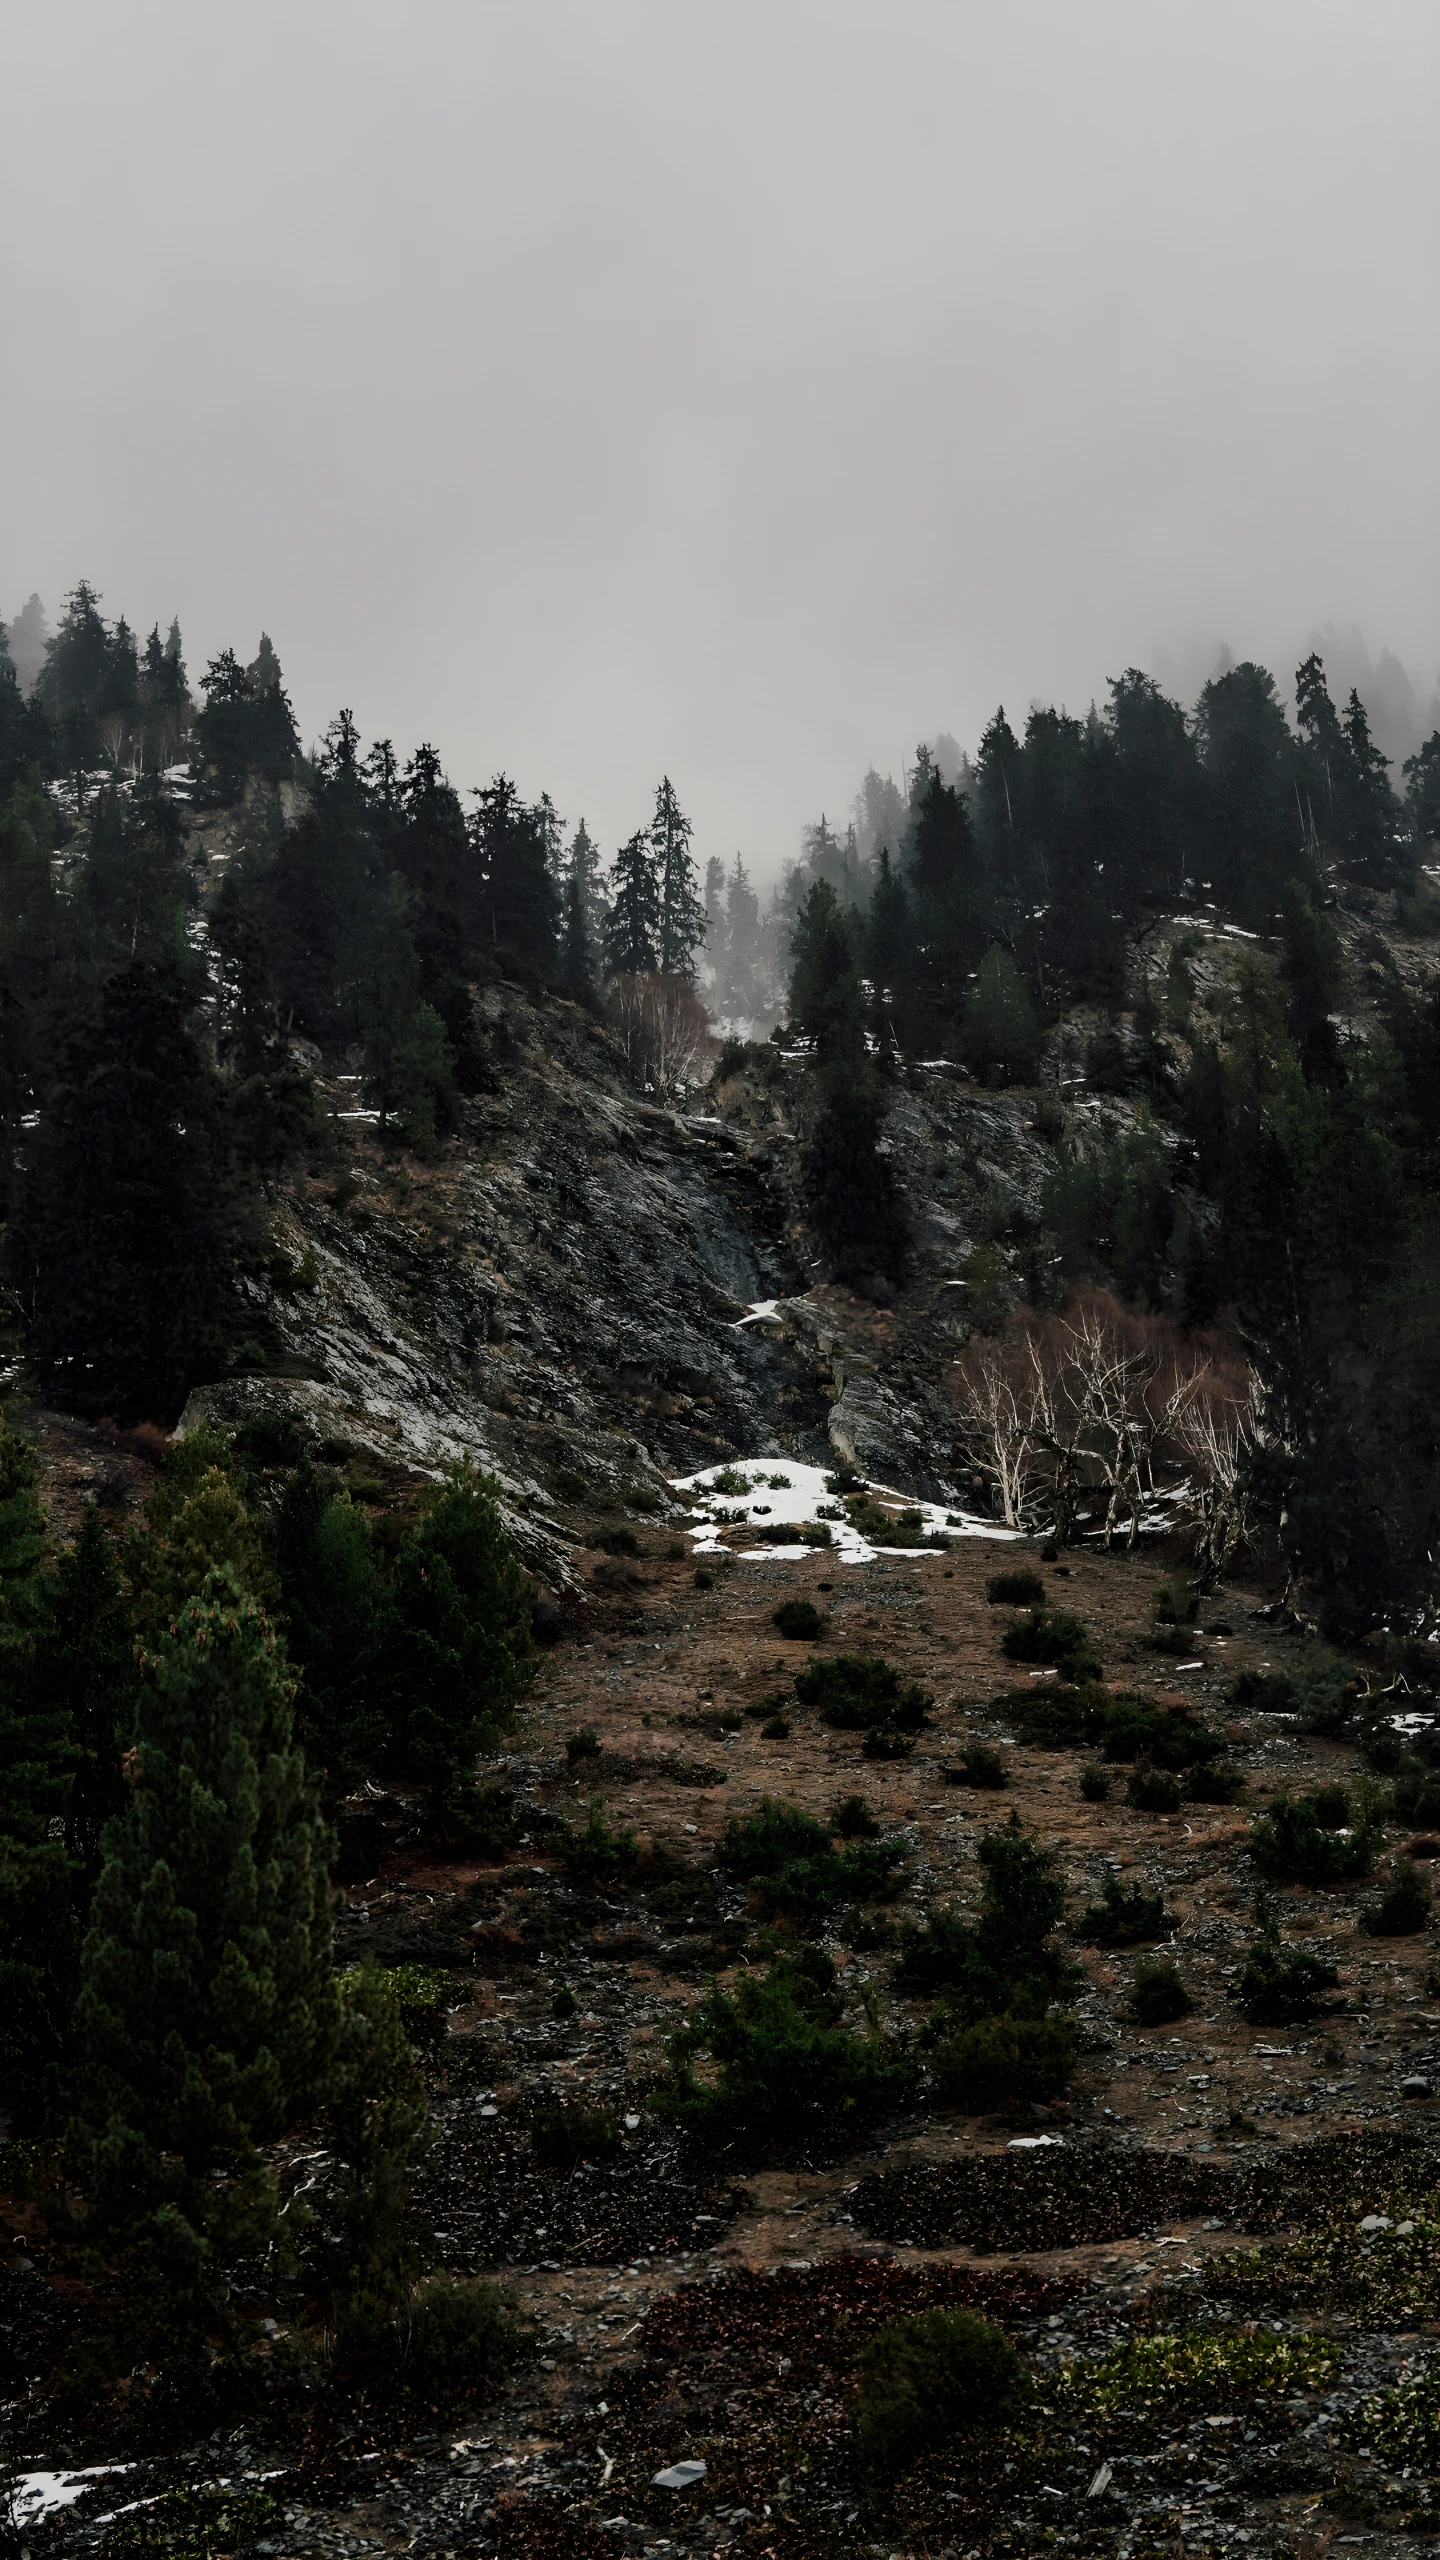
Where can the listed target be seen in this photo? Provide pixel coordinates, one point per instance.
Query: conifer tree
(206, 2022)
(577, 960)
(632, 928)
(407, 1060)
(520, 901)
(888, 947)
(333, 1607)
(86, 1675)
(131, 1219)
(850, 1188)
(38, 1943)
(999, 1032)
(682, 915)
(460, 1638)
(739, 994)
(584, 869)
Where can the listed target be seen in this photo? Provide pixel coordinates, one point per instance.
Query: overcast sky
(740, 390)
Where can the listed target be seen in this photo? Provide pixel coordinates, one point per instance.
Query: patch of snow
(791, 1495)
(42, 2493)
(759, 1311)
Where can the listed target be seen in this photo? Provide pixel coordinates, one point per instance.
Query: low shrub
(1154, 1790)
(982, 1767)
(584, 1745)
(1052, 1636)
(783, 2065)
(866, 1930)
(846, 1479)
(799, 1621)
(1177, 1604)
(870, 1519)
(884, 1742)
(1124, 1916)
(1215, 1782)
(615, 1542)
(1332, 1807)
(1095, 1785)
(597, 1855)
(567, 2131)
(1280, 1985)
(922, 2381)
(1415, 1795)
(451, 2336)
(564, 2005)
(191, 2524)
(1010, 2060)
(1157, 1995)
(1178, 2376)
(852, 1819)
(1292, 1840)
(1005, 1959)
(774, 1703)
(788, 1857)
(1404, 1907)
(1168, 1737)
(854, 1691)
(775, 1729)
(1020, 1588)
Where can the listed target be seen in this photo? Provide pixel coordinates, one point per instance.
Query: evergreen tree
(86, 1676)
(460, 1641)
(584, 870)
(38, 1943)
(333, 1607)
(207, 2019)
(435, 853)
(577, 960)
(1326, 758)
(365, 2251)
(29, 640)
(850, 1189)
(72, 681)
(946, 903)
(131, 1219)
(740, 996)
(1312, 968)
(999, 1032)
(520, 902)
(827, 1004)
(887, 945)
(1250, 831)
(247, 727)
(1422, 793)
(32, 934)
(1374, 851)
(407, 1061)
(682, 915)
(632, 928)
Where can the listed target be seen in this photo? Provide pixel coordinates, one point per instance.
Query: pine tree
(577, 960)
(458, 1662)
(584, 869)
(999, 1033)
(365, 2248)
(333, 1608)
(131, 1220)
(632, 929)
(207, 2019)
(1319, 726)
(945, 899)
(86, 1674)
(850, 1189)
(407, 1060)
(520, 905)
(38, 1943)
(739, 994)
(887, 947)
(1370, 833)
(1422, 789)
(1312, 969)
(682, 916)
(73, 678)
(826, 1002)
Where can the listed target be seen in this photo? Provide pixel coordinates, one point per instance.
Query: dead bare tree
(665, 1030)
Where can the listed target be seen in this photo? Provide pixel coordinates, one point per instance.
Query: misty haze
(719, 1281)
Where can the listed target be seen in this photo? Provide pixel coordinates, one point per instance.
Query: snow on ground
(38, 2493)
(760, 1309)
(761, 1491)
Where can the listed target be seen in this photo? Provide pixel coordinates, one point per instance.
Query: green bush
(922, 2381)
(1292, 1840)
(1095, 1785)
(775, 1729)
(1279, 1985)
(798, 1620)
(852, 1819)
(1020, 1588)
(1052, 1636)
(455, 2336)
(193, 2524)
(1157, 1995)
(1172, 2377)
(1154, 1791)
(1404, 1907)
(982, 1767)
(1177, 1604)
(1005, 2061)
(783, 2065)
(1166, 1736)
(1215, 1782)
(1006, 1958)
(789, 1858)
(1332, 1807)
(584, 1745)
(597, 1855)
(854, 1691)
(1125, 1916)
(883, 1742)
(567, 2131)
(564, 2005)
(1415, 1796)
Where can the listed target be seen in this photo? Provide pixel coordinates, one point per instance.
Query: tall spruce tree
(849, 1184)
(520, 900)
(38, 1941)
(132, 1219)
(632, 928)
(460, 1634)
(86, 1674)
(682, 913)
(207, 2016)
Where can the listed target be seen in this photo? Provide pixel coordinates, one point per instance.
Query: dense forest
(170, 1700)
